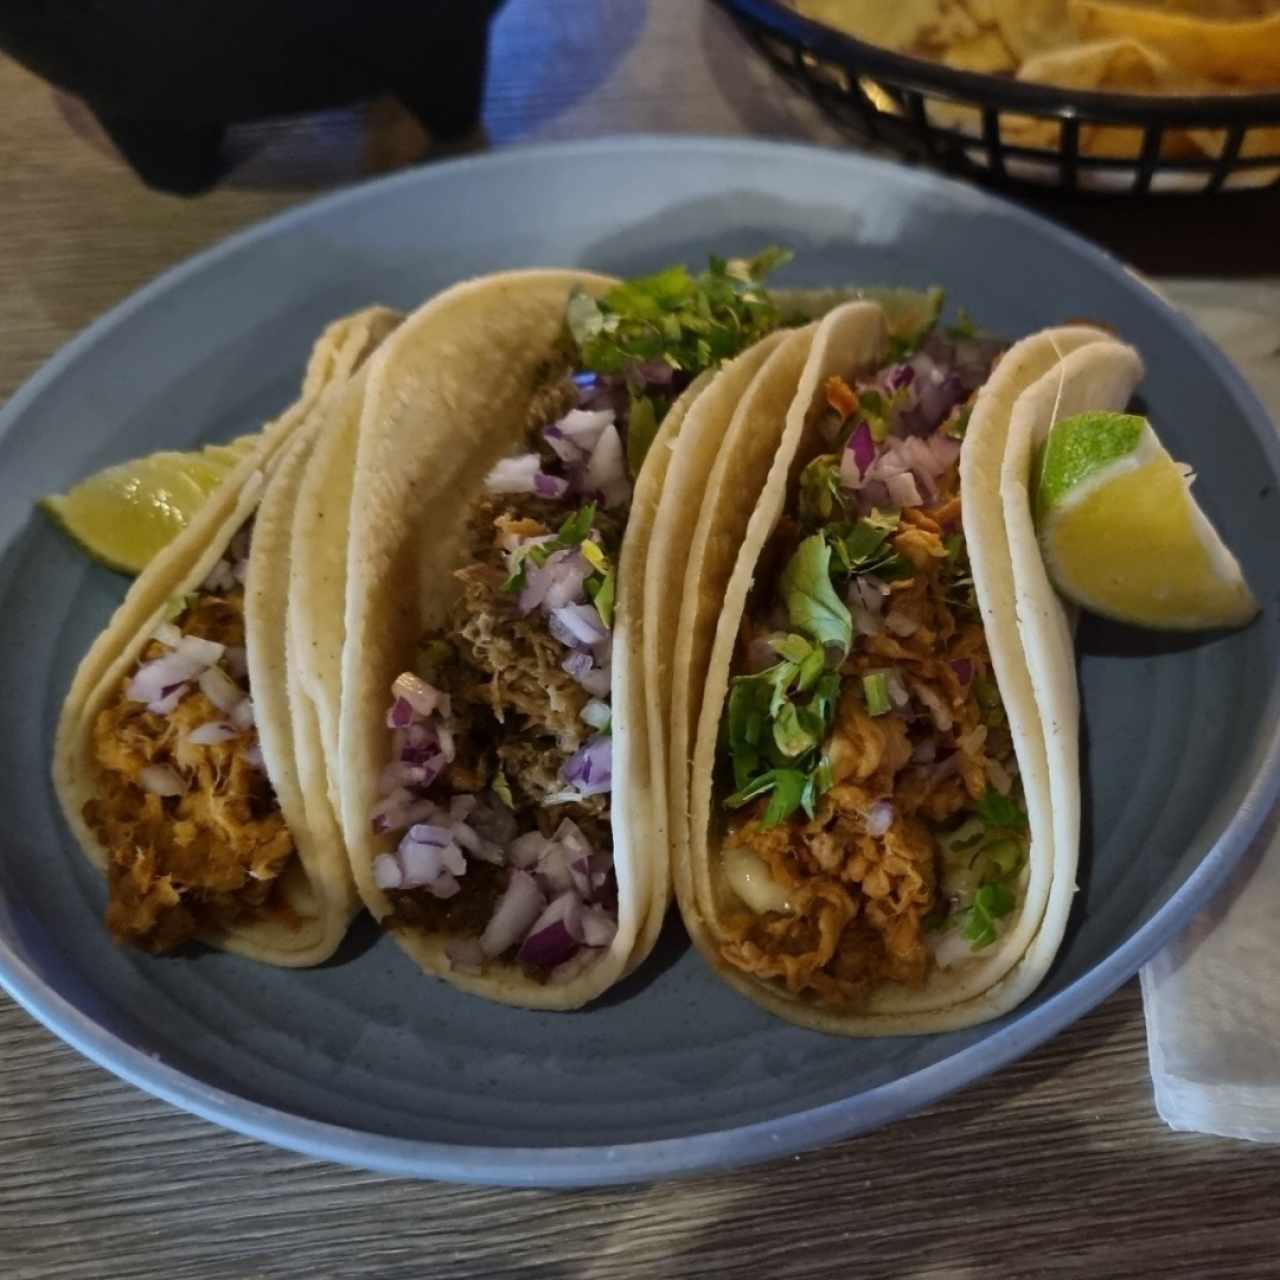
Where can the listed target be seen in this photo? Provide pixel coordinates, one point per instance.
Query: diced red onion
(569, 834)
(242, 714)
(862, 446)
(555, 935)
(607, 469)
(963, 669)
(590, 768)
(582, 429)
(598, 927)
(903, 491)
(550, 487)
(577, 626)
(252, 756)
(386, 872)
(156, 679)
(167, 634)
(552, 871)
(565, 585)
(513, 475)
(161, 780)
(212, 733)
(220, 689)
(400, 714)
(879, 818)
(527, 849)
(899, 376)
(519, 907)
(424, 698)
(429, 834)
(162, 706)
(597, 713)
(204, 653)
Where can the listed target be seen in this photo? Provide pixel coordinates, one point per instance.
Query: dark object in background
(893, 98)
(166, 77)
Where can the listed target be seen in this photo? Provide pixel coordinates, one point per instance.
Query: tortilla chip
(986, 52)
(1232, 52)
(1033, 26)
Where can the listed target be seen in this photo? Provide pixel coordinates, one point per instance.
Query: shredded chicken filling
(860, 902)
(203, 860)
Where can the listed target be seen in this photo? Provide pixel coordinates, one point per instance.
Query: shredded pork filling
(207, 853)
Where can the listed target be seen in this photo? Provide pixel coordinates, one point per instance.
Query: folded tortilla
(1028, 643)
(214, 838)
(448, 398)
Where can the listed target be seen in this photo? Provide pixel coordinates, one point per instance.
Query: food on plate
(1124, 46)
(1121, 532)
(875, 833)
(126, 514)
(494, 732)
(174, 760)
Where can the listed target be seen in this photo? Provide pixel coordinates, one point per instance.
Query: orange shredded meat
(859, 901)
(196, 862)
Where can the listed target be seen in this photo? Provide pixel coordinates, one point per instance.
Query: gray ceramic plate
(365, 1061)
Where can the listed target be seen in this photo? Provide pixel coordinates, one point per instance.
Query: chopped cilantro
(787, 787)
(875, 688)
(1000, 811)
(572, 533)
(821, 492)
(811, 601)
(692, 322)
(991, 903)
(642, 430)
(502, 789)
(601, 591)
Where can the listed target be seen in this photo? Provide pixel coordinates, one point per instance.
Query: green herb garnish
(1000, 811)
(875, 689)
(502, 789)
(811, 601)
(992, 902)
(642, 430)
(821, 492)
(572, 533)
(692, 322)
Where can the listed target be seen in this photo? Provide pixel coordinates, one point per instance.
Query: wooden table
(1056, 1167)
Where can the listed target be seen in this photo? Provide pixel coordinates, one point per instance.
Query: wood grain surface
(1057, 1167)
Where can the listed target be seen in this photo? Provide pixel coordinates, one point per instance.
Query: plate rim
(700, 1152)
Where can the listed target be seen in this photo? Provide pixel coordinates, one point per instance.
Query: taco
(874, 833)
(493, 736)
(175, 759)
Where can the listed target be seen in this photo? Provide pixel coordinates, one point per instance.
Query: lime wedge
(124, 515)
(1122, 535)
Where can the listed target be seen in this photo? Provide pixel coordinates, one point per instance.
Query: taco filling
(499, 788)
(183, 804)
(875, 827)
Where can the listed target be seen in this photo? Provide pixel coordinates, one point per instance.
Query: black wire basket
(1008, 131)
